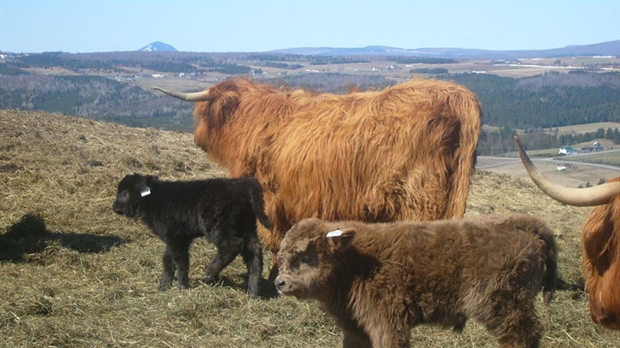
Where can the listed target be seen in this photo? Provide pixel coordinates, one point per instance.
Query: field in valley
(74, 274)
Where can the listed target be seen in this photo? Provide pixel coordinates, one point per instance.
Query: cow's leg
(389, 333)
(526, 332)
(387, 327)
(169, 269)
(517, 324)
(272, 239)
(273, 270)
(180, 256)
(253, 258)
(356, 338)
(227, 250)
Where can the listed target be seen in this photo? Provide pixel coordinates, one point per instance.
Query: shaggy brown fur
(380, 280)
(405, 152)
(602, 262)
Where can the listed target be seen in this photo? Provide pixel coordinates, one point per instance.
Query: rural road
(575, 174)
(493, 162)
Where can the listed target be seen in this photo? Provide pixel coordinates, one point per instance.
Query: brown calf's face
(306, 260)
(130, 191)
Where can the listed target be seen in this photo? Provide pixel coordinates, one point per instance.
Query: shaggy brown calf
(380, 280)
(406, 152)
(223, 210)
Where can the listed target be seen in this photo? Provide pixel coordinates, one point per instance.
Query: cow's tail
(258, 204)
(539, 228)
(469, 111)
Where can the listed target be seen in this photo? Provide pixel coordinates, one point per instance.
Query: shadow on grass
(30, 235)
(562, 284)
(266, 289)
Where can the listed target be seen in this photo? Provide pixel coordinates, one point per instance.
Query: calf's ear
(150, 179)
(340, 239)
(140, 181)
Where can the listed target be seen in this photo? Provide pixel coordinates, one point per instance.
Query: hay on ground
(76, 274)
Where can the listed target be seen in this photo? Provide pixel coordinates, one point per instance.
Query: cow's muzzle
(280, 285)
(118, 209)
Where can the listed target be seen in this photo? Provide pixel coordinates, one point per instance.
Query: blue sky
(242, 25)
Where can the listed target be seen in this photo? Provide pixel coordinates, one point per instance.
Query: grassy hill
(76, 274)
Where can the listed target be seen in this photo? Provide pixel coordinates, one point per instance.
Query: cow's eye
(306, 259)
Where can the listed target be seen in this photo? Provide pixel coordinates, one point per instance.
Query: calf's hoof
(165, 283)
(253, 291)
(184, 285)
(212, 279)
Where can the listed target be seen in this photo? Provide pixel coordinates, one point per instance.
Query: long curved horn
(585, 197)
(192, 97)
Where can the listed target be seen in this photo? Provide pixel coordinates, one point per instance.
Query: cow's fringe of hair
(415, 142)
(602, 252)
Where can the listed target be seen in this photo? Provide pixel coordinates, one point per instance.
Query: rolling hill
(158, 46)
(611, 48)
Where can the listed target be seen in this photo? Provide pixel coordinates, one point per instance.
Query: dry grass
(76, 275)
(173, 83)
(608, 158)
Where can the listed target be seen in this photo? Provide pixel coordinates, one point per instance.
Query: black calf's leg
(226, 253)
(180, 255)
(253, 258)
(169, 270)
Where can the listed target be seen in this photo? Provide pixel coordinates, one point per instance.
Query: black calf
(223, 210)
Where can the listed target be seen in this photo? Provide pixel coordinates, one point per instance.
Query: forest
(545, 101)
(87, 96)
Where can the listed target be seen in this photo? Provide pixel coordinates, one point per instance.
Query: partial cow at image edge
(600, 237)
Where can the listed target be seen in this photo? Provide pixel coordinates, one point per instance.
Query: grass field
(606, 157)
(575, 129)
(74, 274)
(586, 128)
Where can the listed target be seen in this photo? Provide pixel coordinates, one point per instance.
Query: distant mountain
(611, 48)
(158, 46)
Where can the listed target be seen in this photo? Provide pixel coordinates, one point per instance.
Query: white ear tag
(334, 233)
(145, 191)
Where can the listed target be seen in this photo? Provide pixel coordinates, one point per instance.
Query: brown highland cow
(405, 152)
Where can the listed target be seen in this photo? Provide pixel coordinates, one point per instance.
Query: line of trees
(611, 134)
(423, 60)
(333, 82)
(429, 71)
